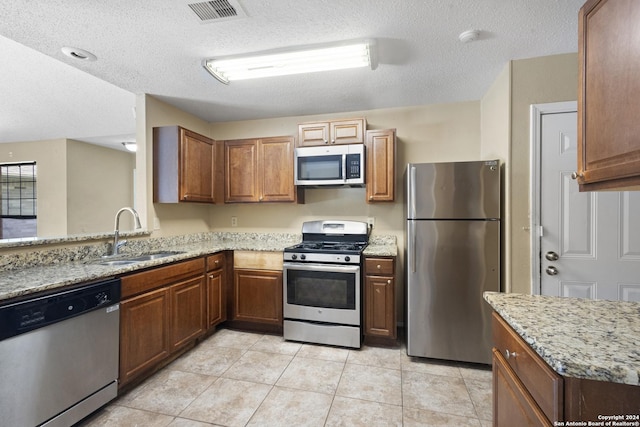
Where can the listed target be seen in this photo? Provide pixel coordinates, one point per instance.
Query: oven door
(322, 293)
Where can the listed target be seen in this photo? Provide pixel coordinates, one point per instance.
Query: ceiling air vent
(218, 10)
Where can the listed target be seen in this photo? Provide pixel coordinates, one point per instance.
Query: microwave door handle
(344, 167)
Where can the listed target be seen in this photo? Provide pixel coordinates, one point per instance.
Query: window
(19, 199)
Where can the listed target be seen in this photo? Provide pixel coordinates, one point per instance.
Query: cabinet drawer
(215, 261)
(257, 260)
(151, 279)
(377, 266)
(544, 385)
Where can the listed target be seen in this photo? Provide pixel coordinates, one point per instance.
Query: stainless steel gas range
(322, 284)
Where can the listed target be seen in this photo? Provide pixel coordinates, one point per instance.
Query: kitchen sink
(117, 262)
(133, 259)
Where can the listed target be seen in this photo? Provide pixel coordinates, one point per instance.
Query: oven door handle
(322, 267)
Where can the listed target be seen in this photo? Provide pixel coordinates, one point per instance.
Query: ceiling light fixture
(289, 61)
(131, 146)
(77, 53)
(469, 36)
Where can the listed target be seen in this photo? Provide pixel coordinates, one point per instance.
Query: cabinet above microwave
(333, 132)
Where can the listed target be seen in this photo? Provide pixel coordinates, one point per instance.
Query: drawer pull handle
(510, 354)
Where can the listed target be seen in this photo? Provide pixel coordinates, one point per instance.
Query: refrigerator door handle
(411, 246)
(412, 193)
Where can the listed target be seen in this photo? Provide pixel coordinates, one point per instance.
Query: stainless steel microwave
(330, 165)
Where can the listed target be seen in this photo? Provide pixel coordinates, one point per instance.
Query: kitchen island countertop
(579, 338)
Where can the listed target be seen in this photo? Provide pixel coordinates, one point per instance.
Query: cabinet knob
(389, 281)
(216, 262)
(378, 266)
(333, 141)
(326, 141)
(576, 175)
(509, 354)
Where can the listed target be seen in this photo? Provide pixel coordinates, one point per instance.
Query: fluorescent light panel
(290, 62)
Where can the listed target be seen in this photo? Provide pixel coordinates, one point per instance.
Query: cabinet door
(187, 311)
(216, 302)
(312, 134)
(196, 167)
(347, 131)
(144, 333)
(276, 169)
(512, 405)
(379, 294)
(241, 167)
(608, 109)
(258, 296)
(380, 169)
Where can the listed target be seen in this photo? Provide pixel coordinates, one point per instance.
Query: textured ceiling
(157, 47)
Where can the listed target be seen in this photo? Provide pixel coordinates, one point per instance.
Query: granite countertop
(48, 270)
(579, 338)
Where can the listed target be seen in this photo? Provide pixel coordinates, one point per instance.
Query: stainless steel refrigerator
(452, 256)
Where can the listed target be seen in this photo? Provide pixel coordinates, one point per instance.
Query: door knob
(551, 256)
(551, 270)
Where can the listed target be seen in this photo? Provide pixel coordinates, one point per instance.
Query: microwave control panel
(353, 166)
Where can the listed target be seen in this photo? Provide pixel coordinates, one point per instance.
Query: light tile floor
(245, 379)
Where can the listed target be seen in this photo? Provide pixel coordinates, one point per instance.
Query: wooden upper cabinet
(608, 93)
(349, 131)
(381, 169)
(259, 170)
(241, 171)
(185, 166)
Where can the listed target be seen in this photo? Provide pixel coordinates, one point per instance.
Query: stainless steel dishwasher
(59, 355)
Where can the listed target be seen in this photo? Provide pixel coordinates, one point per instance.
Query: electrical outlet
(371, 221)
(234, 221)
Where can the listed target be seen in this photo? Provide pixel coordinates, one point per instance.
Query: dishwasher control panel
(36, 312)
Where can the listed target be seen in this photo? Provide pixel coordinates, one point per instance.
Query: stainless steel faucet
(116, 234)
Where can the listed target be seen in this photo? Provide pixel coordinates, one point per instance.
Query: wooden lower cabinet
(379, 300)
(216, 295)
(513, 405)
(258, 296)
(527, 392)
(162, 311)
(187, 312)
(144, 333)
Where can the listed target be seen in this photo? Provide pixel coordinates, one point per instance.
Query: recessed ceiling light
(77, 53)
(469, 36)
(131, 146)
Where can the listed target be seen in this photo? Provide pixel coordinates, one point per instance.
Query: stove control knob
(303, 256)
(294, 256)
(347, 258)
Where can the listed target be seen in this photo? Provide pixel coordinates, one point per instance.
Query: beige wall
(51, 161)
(173, 219)
(80, 186)
(99, 182)
(534, 81)
(495, 143)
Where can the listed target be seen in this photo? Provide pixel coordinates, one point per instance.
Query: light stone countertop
(47, 270)
(580, 338)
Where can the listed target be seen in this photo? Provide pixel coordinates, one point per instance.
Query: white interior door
(589, 242)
